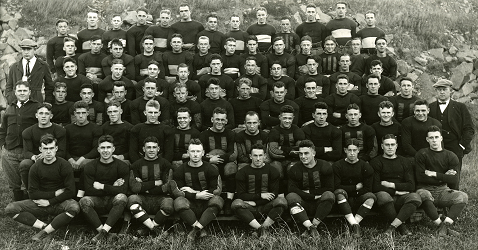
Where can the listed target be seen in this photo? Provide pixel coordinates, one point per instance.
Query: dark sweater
(233, 62)
(439, 162)
(112, 34)
(121, 134)
(398, 171)
(289, 86)
(202, 178)
(32, 135)
(216, 40)
(82, 140)
(193, 106)
(264, 33)
(370, 107)
(286, 60)
(347, 176)
(134, 35)
(194, 90)
(223, 140)
(323, 85)
(74, 86)
(181, 142)
(59, 64)
(315, 30)
(252, 182)
(225, 82)
(83, 42)
(241, 40)
(287, 140)
(207, 108)
(141, 131)
(105, 174)
(330, 62)
(306, 108)
(261, 62)
(355, 83)
(128, 63)
(105, 88)
(14, 121)
(141, 63)
(54, 49)
(171, 61)
(162, 86)
(270, 111)
(61, 113)
(381, 131)
(358, 64)
(91, 63)
(138, 106)
(258, 87)
(188, 30)
(386, 85)
(328, 136)
(402, 107)
(342, 29)
(316, 180)
(199, 62)
(414, 134)
(244, 144)
(162, 37)
(241, 107)
(45, 179)
(338, 104)
(149, 171)
(389, 65)
(366, 137)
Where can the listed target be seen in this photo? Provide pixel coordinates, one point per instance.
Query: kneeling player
(353, 180)
(151, 185)
(199, 182)
(51, 190)
(311, 183)
(393, 184)
(257, 187)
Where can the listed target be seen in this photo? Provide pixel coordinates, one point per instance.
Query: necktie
(28, 68)
(441, 103)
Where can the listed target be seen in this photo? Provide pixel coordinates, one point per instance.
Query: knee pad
(461, 197)
(369, 202)
(134, 199)
(328, 196)
(86, 204)
(168, 206)
(293, 199)
(120, 199)
(230, 169)
(25, 165)
(12, 209)
(383, 198)
(279, 202)
(238, 204)
(73, 208)
(414, 198)
(216, 201)
(180, 204)
(296, 209)
(340, 194)
(425, 195)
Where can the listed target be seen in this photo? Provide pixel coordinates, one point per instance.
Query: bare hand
(389, 93)
(59, 191)
(267, 196)
(430, 173)
(401, 192)
(317, 197)
(327, 149)
(306, 191)
(204, 195)
(118, 182)
(252, 203)
(42, 203)
(158, 183)
(97, 185)
(337, 115)
(138, 179)
(216, 160)
(387, 184)
(359, 186)
(189, 190)
(451, 172)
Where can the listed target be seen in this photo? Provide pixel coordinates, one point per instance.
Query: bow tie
(441, 103)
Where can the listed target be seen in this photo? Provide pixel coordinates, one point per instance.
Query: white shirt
(443, 106)
(31, 64)
(19, 104)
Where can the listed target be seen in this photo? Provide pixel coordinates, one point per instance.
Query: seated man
(141, 61)
(150, 182)
(404, 102)
(73, 80)
(258, 198)
(311, 183)
(387, 87)
(106, 185)
(194, 91)
(138, 105)
(339, 101)
(306, 102)
(105, 87)
(371, 100)
(435, 170)
(387, 125)
(51, 189)
(119, 130)
(153, 70)
(117, 52)
(251, 135)
(61, 107)
(271, 108)
(244, 102)
(181, 100)
(394, 186)
(214, 99)
(183, 133)
(200, 183)
(258, 82)
(322, 82)
(353, 180)
(95, 108)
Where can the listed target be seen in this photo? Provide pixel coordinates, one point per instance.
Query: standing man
(70, 51)
(136, 32)
(225, 82)
(117, 52)
(271, 108)
(119, 130)
(389, 65)
(341, 28)
(161, 33)
(89, 64)
(251, 135)
(355, 80)
(115, 32)
(312, 28)
(322, 82)
(92, 28)
(339, 101)
(457, 124)
(261, 60)
(238, 34)
(369, 34)
(263, 31)
(32, 70)
(19, 115)
(73, 80)
(306, 103)
(403, 103)
(387, 125)
(291, 39)
(172, 59)
(371, 100)
(143, 61)
(183, 133)
(286, 60)
(187, 28)
(54, 47)
(387, 87)
(216, 38)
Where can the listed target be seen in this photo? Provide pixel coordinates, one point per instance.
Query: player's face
(117, 71)
(434, 139)
(43, 115)
(320, 116)
(181, 94)
(252, 123)
(244, 91)
(96, 46)
(203, 46)
(81, 116)
(306, 47)
(406, 88)
(152, 114)
(389, 147)
(116, 50)
(119, 93)
(114, 113)
(370, 19)
(184, 120)
(261, 17)
(235, 23)
(48, 151)
(306, 155)
(230, 47)
(373, 85)
(376, 70)
(216, 66)
(252, 46)
(257, 157)
(212, 23)
(153, 70)
(92, 19)
(276, 70)
(70, 69)
(352, 152)
(69, 48)
(310, 89)
(176, 44)
(22, 92)
(185, 13)
(214, 91)
(62, 29)
(344, 62)
(311, 14)
(28, 53)
(443, 93)
(285, 25)
(151, 150)
(60, 94)
(149, 89)
(286, 119)
(141, 17)
(279, 94)
(312, 66)
(329, 46)
(356, 46)
(106, 150)
(165, 18)
(341, 10)
(183, 73)
(381, 45)
(353, 116)
(116, 22)
(148, 45)
(279, 46)
(342, 85)
(195, 152)
(421, 112)
(87, 94)
(250, 67)
(219, 121)
(385, 114)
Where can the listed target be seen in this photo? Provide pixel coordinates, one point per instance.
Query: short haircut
(278, 84)
(113, 103)
(389, 136)
(47, 139)
(106, 138)
(342, 2)
(116, 15)
(370, 12)
(60, 85)
(24, 83)
(152, 139)
(142, 9)
(433, 128)
(215, 56)
(80, 105)
(420, 102)
(184, 4)
(251, 58)
(306, 38)
(406, 79)
(261, 9)
(310, 79)
(252, 113)
(285, 18)
(93, 11)
(153, 104)
(95, 37)
(195, 141)
(183, 109)
(385, 104)
(68, 39)
(311, 5)
(259, 146)
(380, 38)
(312, 57)
(357, 39)
(166, 11)
(183, 65)
(61, 21)
(276, 62)
(116, 41)
(244, 80)
(342, 76)
(180, 86)
(219, 110)
(176, 35)
(287, 109)
(119, 84)
(147, 37)
(86, 86)
(353, 106)
(154, 62)
(44, 105)
(69, 59)
(352, 141)
(306, 144)
(330, 38)
(234, 15)
(278, 38)
(252, 37)
(375, 63)
(117, 61)
(204, 38)
(373, 76)
(213, 80)
(212, 14)
(150, 79)
(321, 105)
(230, 39)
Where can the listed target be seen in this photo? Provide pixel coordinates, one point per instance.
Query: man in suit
(458, 128)
(33, 70)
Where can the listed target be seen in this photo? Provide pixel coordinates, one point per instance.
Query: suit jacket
(40, 76)
(460, 122)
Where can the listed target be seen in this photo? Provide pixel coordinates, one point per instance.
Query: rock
(417, 71)
(322, 17)
(303, 7)
(457, 94)
(452, 50)
(403, 67)
(389, 38)
(5, 26)
(3, 85)
(41, 51)
(422, 61)
(469, 87)
(18, 15)
(23, 33)
(412, 76)
(464, 99)
(448, 58)
(391, 51)
(437, 54)
(9, 50)
(130, 17)
(459, 73)
(406, 51)
(360, 18)
(3, 46)
(4, 15)
(42, 40)
(469, 59)
(13, 41)
(13, 24)
(297, 17)
(425, 84)
(9, 59)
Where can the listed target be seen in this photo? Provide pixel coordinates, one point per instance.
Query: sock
(358, 218)
(268, 222)
(28, 219)
(141, 215)
(455, 210)
(299, 214)
(208, 215)
(61, 220)
(437, 221)
(49, 229)
(115, 213)
(396, 223)
(275, 213)
(344, 207)
(254, 224)
(160, 217)
(351, 219)
(198, 225)
(448, 220)
(388, 209)
(430, 210)
(323, 209)
(106, 227)
(92, 217)
(307, 223)
(188, 216)
(406, 211)
(363, 210)
(230, 195)
(99, 228)
(316, 222)
(244, 214)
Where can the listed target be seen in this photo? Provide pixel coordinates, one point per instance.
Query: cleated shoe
(101, 236)
(404, 231)
(41, 236)
(357, 231)
(193, 234)
(390, 230)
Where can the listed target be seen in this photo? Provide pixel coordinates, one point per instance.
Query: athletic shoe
(357, 232)
(313, 232)
(442, 229)
(452, 232)
(202, 233)
(193, 234)
(157, 231)
(390, 230)
(102, 235)
(403, 229)
(42, 235)
(143, 231)
(260, 232)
